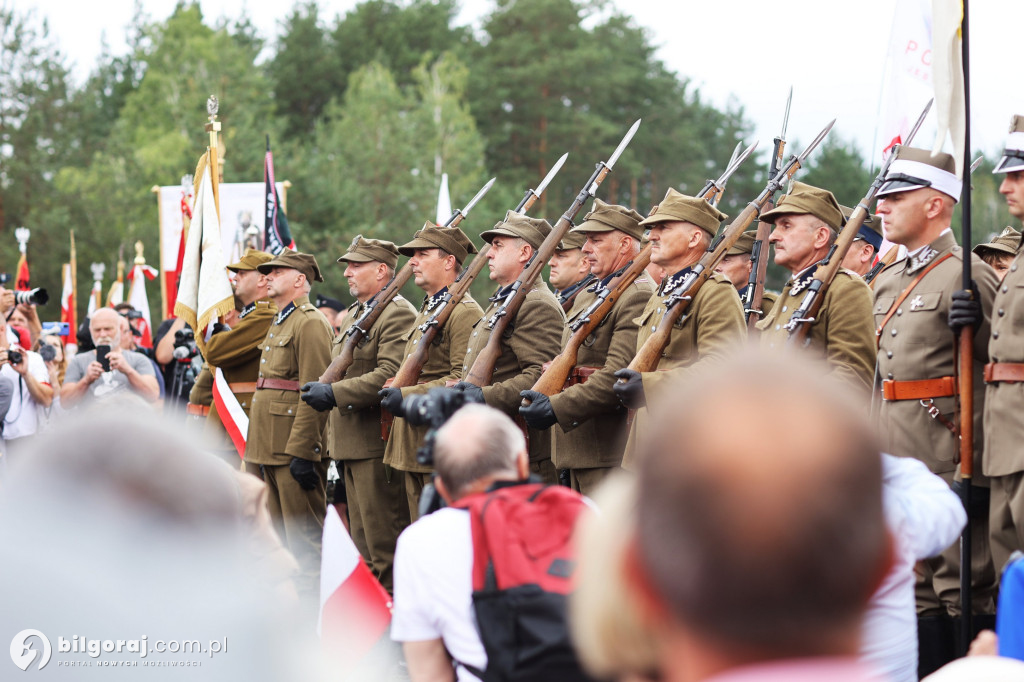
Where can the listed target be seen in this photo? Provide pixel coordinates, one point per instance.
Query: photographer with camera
(107, 370)
(32, 390)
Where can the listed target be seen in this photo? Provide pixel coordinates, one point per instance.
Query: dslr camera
(37, 296)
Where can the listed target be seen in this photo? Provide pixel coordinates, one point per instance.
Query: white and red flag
(140, 301)
(67, 301)
(908, 81)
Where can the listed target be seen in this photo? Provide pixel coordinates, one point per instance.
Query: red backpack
(523, 563)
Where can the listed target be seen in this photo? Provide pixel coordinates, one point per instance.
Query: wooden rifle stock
(885, 261)
(755, 287)
(554, 377)
(374, 309)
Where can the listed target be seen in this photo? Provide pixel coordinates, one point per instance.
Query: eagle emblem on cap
(355, 242)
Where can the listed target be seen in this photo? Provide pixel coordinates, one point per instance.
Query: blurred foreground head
(760, 532)
(118, 526)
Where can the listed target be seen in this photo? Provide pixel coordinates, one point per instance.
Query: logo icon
(22, 652)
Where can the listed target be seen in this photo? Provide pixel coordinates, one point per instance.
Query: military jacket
(1004, 427)
(916, 343)
(591, 430)
(532, 338)
(843, 333)
(281, 426)
(237, 353)
(355, 423)
(444, 362)
(202, 389)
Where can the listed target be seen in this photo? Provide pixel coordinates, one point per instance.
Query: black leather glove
(318, 396)
(219, 327)
(539, 414)
(964, 310)
(391, 400)
(474, 394)
(630, 388)
(304, 473)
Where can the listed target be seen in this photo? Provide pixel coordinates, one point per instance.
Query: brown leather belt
(1006, 372)
(942, 387)
(277, 384)
(243, 387)
(579, 375)
(197, 410)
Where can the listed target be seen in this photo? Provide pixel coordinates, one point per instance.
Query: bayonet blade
(551, 175)
(622, 145)
(478, 197)
(977, 162)
(920, 120)
(721, 181)
(785, 118)
(815, 142)
(735, 153)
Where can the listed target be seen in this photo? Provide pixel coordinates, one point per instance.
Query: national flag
(21, 281)
(204, 292)
(276, 235)
(444, 202)
(171, 277)
(95, 298)
(355, 610)
(67, 300)
(140, 301)
(948, 76)
(908, 81)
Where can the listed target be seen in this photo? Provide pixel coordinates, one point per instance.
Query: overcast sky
(746, 51)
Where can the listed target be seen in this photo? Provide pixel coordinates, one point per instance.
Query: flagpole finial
(98, 269)
(212, 105)
(139, 258)
(22, 235)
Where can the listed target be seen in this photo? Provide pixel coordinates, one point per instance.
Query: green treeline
(365, 111)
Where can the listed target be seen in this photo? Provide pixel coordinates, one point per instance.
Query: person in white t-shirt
(433, 614)
(31, 392)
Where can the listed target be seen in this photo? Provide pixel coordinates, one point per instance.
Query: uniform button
(350, 407)
(899, 311)
(267, 348)
(890, 375)
(654, 327)
(1005, 288)
(995, 335)
(316, 449)
(1001, 312)
(888, 354)
(894, 332)
(474, 333)
(263, 359)
(290, 411)
(778, 327)
(271, 334)
(785, 308)
(575, 423)
(1013, 268)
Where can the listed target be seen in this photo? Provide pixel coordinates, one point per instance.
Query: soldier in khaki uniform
(682, 228)
(916, 409)
(592, 429)
(285, 446)
(737, 265)
(437, 255)
(1000, 252)
(376, 494)
(1004, 395)
(569, 270)
(532, 338)
(860, 258)
(807, 222)
(236, 352)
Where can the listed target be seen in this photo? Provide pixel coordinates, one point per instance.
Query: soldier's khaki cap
(1013, 154)
(533, 230)
(870, 230)
(1007, 242)
(571, 240)
(607, 217)
(745, 244)
(363, 250)
(678, 206)
(251, 260)
(303, 262)
(808, 200)
(916, 168)
(449, 239)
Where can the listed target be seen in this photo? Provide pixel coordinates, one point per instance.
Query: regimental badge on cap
(917, 168)
(1013, 155)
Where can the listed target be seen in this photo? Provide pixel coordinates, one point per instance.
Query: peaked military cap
(678, 206)
(808, 200)
(606, 217)
(745, 244)
(1007, 242)
(870, 230)
(250, 261)
(363, 250)
(533, 230)
(916, 168)
(449, 239)
(303, 262)
(571, 240)
(1013, 154)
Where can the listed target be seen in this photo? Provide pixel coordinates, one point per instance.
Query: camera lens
(48, 352)
(14, 357)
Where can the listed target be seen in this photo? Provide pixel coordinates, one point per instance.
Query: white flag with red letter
(908, 84)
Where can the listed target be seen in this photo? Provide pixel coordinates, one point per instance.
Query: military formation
(894, 342)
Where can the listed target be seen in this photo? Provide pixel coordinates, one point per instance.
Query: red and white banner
(355, 610)
(140, 301)
(21, 282)
(908, 83)
(231, 414)
(67, 301)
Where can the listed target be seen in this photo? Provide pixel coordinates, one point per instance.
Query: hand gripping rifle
(677, 302)
(375, 306)
(410, 370)
(754, 296)
(583, 325)
(799, 325)
(483, 367)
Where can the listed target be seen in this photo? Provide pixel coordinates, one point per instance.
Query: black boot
(936, 643)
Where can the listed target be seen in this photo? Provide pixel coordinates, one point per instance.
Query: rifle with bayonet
(375, 306)
(885, 261)
(799, 325)
(753, 299)
(678, 301)
(411, 368)
(583, 325)
(483, 367)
